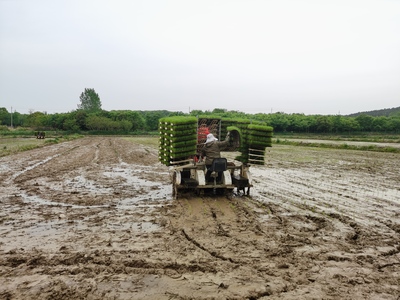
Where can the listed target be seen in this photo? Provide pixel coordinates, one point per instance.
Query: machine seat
(219, 165)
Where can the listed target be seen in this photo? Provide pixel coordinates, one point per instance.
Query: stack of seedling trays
(241, 126)
(235, 138)
(178, 139)
(259, 137)
(254, 138)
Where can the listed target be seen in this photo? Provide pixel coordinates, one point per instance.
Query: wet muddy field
(94, 218)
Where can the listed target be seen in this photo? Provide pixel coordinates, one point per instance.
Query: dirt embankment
(94, 219)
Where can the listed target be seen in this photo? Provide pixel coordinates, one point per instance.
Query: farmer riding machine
(181, 142)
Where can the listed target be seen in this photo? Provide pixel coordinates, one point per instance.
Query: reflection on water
(152, 198)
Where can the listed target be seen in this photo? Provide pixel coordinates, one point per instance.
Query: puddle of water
(80, 182)
(162, 194)
(148, 199)
(46, 235)
(40, 201)
(131, 177)
(4, 168)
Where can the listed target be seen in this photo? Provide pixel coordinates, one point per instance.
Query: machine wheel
(200, 192)
(228, 192)
(176, 180)
(174, 192)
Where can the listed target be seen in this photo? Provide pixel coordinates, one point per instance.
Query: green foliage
(56, 121)
(94, 122)
(219, 111)
(5, 116)
(71, 125)
(80, 119)
(19, 132)
(379, 124)
(279, 121)
(38, 120)
(52, 141)
(127, 120)
(365, 121)
(196, 112)
(90, 100)
(124, 121)
(151, 118)
(324, 124)
(386, 112)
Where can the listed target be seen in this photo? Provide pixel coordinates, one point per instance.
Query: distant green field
(11, 145)
(14, 145)
(152, 141)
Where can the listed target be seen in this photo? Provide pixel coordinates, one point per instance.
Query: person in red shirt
(202, 133)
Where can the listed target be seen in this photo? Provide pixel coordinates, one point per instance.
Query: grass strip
(341, 146)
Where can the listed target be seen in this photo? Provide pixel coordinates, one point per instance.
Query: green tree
(125, 125)
(151, 119)
(349, 125)
(196, 112)
(80, 117)
(138, 121)
(37, 120)
(90, 100)
(298, 123)
(5, 116)
(71, 125)
(219, 111)
(57, 120)
(135, 119)
(94, 122)
(394, 124)
(380, 123)
(279, 121)
(365, 122)
(337, 123)
(324, 124)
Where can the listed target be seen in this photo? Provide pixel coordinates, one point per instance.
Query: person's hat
(210, 138)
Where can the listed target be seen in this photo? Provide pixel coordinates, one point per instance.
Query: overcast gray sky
(292, 56)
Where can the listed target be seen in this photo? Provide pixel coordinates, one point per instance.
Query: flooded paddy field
(94, 218)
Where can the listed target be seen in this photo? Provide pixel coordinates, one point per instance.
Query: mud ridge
(212, 253)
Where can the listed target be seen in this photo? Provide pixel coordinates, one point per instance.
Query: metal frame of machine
(190, 175)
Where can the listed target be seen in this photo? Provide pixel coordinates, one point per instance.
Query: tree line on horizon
(128, 121)
(92, 118)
